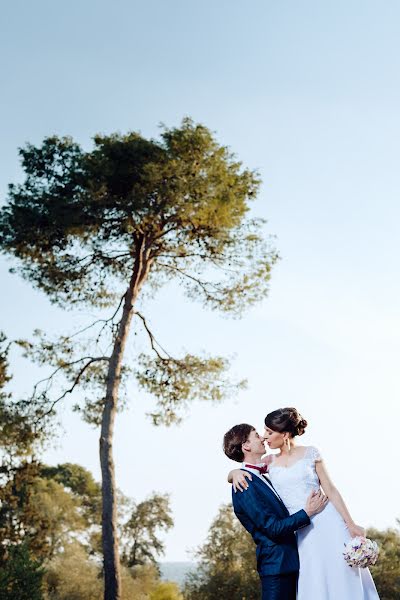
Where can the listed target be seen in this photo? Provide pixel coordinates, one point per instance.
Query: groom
(261, 511)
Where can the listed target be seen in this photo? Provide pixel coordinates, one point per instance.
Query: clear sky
(308, 93)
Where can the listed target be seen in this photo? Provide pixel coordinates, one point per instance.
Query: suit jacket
(267, 519)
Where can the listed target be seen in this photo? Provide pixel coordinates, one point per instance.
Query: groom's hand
(315, 503)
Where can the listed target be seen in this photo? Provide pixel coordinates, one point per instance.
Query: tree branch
(74, 384)
(195, 279)
(105, 321)
(153, 341)
(65, 366)
(215, 260)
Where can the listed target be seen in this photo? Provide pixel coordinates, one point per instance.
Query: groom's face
(254, 443)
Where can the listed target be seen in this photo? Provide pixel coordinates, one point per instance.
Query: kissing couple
(299, 530)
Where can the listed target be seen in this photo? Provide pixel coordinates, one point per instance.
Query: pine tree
(102, 228)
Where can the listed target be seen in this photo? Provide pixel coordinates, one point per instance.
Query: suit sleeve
(264, 517)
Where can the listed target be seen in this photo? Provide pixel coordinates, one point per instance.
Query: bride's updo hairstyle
(286, 420)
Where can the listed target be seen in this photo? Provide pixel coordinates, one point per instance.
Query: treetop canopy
(80, 219)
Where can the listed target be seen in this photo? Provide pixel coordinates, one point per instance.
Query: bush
(227, 563)
(72, 575)
(166, 590)
(21, 577)
(386, 572)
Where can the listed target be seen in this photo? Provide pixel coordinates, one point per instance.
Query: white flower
(361, 552)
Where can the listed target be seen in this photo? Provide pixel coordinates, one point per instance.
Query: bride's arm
(238, 477)
(334, 496)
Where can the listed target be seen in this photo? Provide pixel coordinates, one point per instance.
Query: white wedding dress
(324, 574)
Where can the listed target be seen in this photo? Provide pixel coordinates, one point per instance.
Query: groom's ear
(245, 447)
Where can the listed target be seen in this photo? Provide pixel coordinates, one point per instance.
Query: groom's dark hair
(234, 439)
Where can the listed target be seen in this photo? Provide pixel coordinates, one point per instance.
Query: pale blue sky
(308, 93)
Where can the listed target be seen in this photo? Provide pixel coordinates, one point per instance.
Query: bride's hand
(356, 530)
(239, 480)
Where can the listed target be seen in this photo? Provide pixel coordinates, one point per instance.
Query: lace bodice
(324, 575)
(295, 483)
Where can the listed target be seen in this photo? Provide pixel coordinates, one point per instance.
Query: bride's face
(273, 439)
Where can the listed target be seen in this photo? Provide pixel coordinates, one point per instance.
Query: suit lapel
(267, 487)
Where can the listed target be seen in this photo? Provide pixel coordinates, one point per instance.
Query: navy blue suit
(267, 519)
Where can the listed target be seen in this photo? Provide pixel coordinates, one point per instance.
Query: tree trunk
(112, 578)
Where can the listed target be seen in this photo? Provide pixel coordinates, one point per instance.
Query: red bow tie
(262, 470)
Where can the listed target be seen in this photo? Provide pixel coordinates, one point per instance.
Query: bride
(295, 471)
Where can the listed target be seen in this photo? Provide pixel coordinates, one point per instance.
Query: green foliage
(20, 575)
(81, 483)
(227, 563)
(38, 511)
(47, 507)
(140, 534)
(386, 572)
(69, 357)
(57, 512)
(73, 222)
(166, 590)
(72, 575)
(20, 435)
(139, 582)
(174, 382)
(4, 376)
(92, 228)
(84, 226)
(17, 513)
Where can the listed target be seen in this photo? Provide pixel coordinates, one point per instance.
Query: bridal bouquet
(361, 552)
